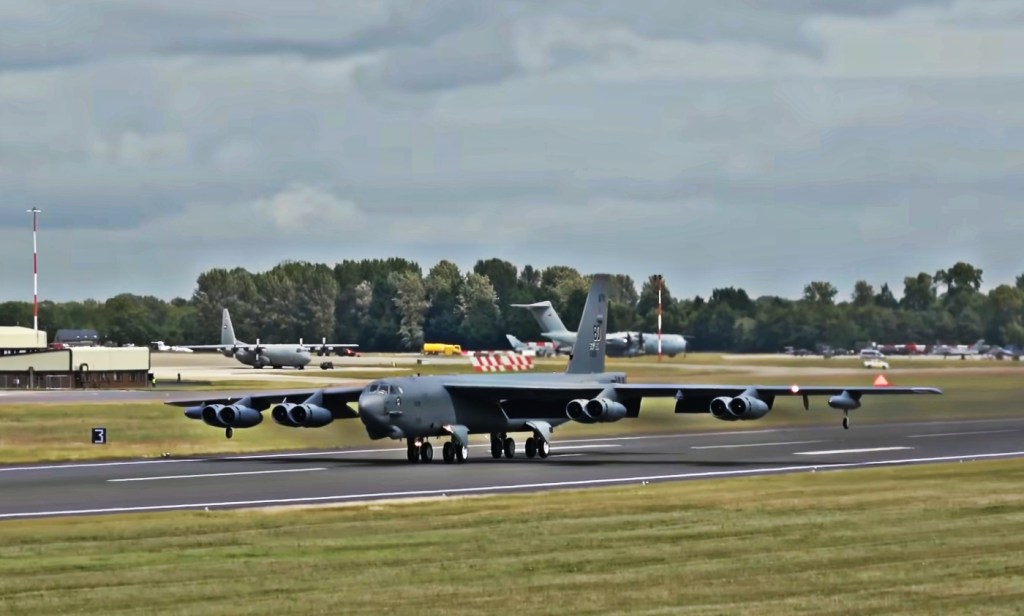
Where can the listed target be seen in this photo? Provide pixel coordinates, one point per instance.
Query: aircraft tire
(495, 446)
(543, 448)
(426, 452)
(448, 452)
(510, 447)
(229, 432)
(411, 453)
(531, 447)
(461, 453)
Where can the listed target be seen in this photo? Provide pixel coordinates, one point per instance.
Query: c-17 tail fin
(545, 315)
(588, 352)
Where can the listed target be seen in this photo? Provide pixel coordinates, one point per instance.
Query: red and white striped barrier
(502, 363)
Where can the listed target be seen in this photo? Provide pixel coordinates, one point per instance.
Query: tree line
(392, 305)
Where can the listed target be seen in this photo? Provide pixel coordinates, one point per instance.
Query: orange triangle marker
(881, 381)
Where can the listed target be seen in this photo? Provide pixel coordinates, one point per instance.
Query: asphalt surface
(356, 475)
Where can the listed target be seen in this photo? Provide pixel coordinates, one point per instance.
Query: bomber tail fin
(588, 352)
(227, 332)
(545, 315)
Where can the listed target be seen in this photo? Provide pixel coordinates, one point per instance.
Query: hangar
(27, 363)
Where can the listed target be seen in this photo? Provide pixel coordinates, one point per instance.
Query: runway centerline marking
(524, 486)
(959, 433)
(756, 444)
(205, 475)
(838, 451)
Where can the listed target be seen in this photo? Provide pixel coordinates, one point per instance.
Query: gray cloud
(720, 143)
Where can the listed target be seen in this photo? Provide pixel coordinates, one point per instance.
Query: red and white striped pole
(659, 316)
(35, 270)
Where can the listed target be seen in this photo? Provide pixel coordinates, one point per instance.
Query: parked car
(877, 364)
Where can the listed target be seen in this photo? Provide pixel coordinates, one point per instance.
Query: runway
(382, 473)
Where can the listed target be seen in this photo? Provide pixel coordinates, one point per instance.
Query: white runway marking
(755, 445)
(837, 451)
(205, 475)
(523, 486)
(93, 465)
(959, 433)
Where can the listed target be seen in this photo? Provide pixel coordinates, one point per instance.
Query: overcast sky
(754, 144)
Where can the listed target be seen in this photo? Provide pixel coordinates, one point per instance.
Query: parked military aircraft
(961, 350)
(619, 344)
(261, 355)
(418, 408)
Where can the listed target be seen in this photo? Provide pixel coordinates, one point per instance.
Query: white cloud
(721, 143)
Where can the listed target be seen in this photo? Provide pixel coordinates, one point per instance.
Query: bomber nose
(371, 408)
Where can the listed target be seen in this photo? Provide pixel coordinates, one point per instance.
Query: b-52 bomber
(419, 408)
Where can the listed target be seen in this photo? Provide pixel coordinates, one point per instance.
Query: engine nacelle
(233, 416)
(280, 415)
(748, 407)
(310, 415)
(211, 416)
(844, 402)
(576, 410)
(604, 410)
(720, 409)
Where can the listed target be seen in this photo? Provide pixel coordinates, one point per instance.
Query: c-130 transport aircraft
(418, 408)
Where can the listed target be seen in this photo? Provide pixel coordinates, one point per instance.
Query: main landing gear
(420, 450)
(502, 443)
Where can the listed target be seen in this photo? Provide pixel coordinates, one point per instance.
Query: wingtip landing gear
(229, 432)
(846, 420)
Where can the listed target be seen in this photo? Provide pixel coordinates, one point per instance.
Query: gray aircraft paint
(418, 408)
(618, 344)
(261, 355)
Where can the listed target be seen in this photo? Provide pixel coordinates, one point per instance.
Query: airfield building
(27, 362)
(77, 337)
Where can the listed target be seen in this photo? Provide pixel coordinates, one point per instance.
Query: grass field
(938, 539)
(44, 432)
(700, 363)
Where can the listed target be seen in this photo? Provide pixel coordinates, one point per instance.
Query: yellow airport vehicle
(438, 348)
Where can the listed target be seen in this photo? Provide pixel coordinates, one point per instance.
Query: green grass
(646, 367)
(939, 539)
(44, 432)
(239, 385)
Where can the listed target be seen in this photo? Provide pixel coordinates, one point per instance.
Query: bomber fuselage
(422, 406)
